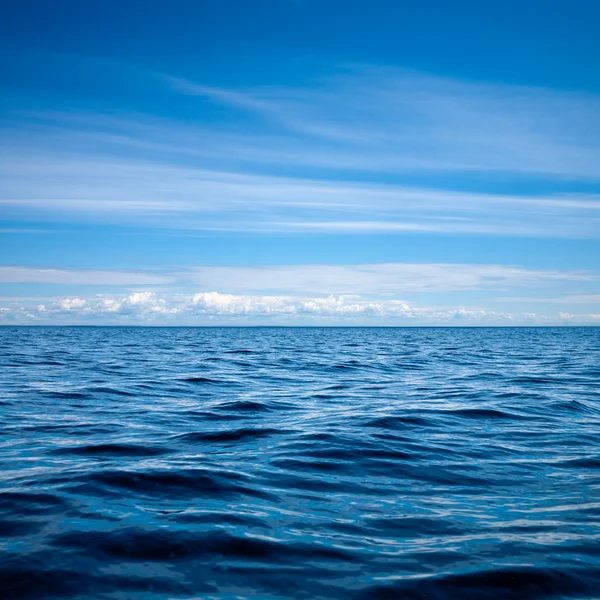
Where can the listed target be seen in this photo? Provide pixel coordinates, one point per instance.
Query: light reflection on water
(299, 463)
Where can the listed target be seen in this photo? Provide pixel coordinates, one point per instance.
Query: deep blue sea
(263, 463)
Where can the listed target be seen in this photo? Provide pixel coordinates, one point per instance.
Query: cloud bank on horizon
(174, 183)
(214, 308)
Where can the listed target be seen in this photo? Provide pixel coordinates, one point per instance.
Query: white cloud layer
(362, 279)
(14, 274)
(151, 194)
(376, 279)
(333, 157)
(217, 308)
(407, 120)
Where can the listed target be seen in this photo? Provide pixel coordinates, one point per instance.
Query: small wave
(31, 503)
(66, 395)
(229, 435)
(412, 526)
(331, 453)
(11, 528)
(199, 379)
(320, 466)
(182, 483)
(245, 406)
(29, 579)
(211, 415)
(588, 462)
(116, 450)
(161, 546)
(110, 390)
(219, 519)
(382, 453)
(495, 584)
(399, 422)
(486, 413)
(355, 366)
(530, 379)
(574, 406)
(82, 429)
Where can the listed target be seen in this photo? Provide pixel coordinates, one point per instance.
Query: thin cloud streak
(387, 119)
(376, 279)
(592, 299)
(429, 122)
(67, 187)
(363, 123)
(16, 274)
(294, 280)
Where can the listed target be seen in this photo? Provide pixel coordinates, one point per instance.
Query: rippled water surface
(262, 463)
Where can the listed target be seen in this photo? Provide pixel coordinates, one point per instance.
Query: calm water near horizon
(273, 463)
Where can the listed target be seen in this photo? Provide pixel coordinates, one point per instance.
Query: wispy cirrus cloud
(295, 280)
(570, 299)
(414, 121)
(18, 274)
(68, 187)
(376, 279)
(332, 157)
(359, 117)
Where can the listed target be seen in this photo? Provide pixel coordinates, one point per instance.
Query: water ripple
(271, 463)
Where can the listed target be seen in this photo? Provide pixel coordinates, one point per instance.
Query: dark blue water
(147, 463)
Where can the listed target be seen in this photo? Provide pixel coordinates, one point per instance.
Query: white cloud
(213, 307)
(593, 299)
(408, 120)
(71, 304)
(17, 274)
(332, 145)
(363, 117)
(363, 279)
(143, 193)
(214, 303)
(376, 279)
(138, 304)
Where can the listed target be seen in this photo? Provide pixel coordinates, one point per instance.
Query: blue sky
(299, 162)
